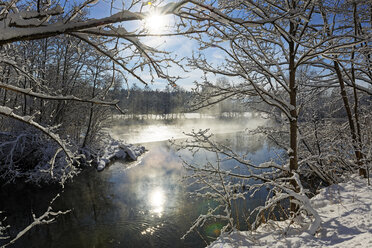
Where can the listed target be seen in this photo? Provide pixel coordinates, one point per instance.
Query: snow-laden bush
(36, 159)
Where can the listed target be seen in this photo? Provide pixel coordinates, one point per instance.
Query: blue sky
(177, 45)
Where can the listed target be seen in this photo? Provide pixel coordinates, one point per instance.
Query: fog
(158, 130)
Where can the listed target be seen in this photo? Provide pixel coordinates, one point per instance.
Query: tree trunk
(293, 156)
(358, 153)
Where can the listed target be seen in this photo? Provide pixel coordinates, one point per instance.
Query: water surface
(138, 204)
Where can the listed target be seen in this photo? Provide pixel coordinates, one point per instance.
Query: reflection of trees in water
(90, 196)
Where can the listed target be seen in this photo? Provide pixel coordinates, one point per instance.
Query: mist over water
(155, 130)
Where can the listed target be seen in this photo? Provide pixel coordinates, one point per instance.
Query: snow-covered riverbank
(346, 213)
(119, 150)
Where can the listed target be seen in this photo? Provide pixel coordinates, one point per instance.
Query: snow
(119, 150)
(5, 110)
(345, 212)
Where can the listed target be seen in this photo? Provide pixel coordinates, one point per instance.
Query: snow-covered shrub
(31, 156)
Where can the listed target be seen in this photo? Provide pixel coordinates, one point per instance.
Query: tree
(350, 63)
(266, 45)
(46, 51)
(31, 31)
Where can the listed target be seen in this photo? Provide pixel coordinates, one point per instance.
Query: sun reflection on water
(157, 199)
(152, 229)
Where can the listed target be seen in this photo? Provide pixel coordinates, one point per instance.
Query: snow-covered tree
(55, 58)
(266, 46)
(351, 64)
(47, 49)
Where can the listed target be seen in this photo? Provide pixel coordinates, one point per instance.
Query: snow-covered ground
(346, 213)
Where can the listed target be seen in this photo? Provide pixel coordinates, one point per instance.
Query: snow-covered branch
(12, 31)
(30, 92)
(8, 112)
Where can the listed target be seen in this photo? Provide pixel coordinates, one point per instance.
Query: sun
(156, 23)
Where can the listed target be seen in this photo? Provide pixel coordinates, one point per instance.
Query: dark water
(141, 204)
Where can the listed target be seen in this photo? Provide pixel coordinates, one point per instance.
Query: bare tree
(69, 33)
(351, 64)
(265, 45)
(45, 51)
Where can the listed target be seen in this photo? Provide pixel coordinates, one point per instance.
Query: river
(137, 204)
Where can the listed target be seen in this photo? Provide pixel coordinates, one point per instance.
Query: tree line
(146, 101)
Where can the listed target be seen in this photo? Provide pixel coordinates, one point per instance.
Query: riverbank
(346, 213)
